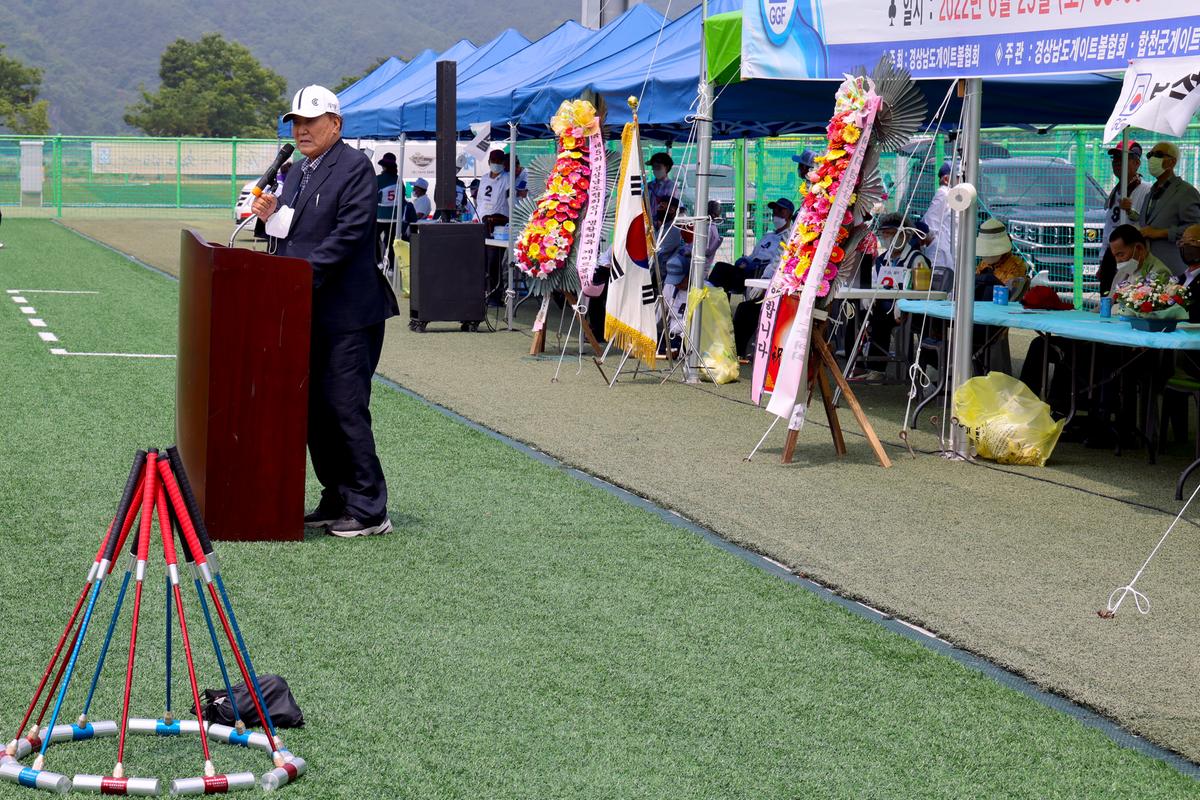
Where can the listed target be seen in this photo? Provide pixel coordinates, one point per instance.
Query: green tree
(20, 110)
(349, 80)
(210, 87)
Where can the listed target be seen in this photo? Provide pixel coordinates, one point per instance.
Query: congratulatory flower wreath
(844, 132)
(547, 241)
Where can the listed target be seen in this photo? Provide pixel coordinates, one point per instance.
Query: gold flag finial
(633, 102)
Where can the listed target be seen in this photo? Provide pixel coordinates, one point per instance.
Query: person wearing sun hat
(998, 264)
(661, 188)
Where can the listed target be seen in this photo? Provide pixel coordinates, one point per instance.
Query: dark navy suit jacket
(334, 229)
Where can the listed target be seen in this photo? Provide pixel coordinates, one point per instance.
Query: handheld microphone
(285, 153)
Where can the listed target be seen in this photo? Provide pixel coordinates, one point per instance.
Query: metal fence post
(760, 170)
(739, 198)
(1077, 239)
(179, 173)
(233, 173)
(58, 175)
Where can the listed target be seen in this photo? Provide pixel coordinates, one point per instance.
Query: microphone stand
(239, 228)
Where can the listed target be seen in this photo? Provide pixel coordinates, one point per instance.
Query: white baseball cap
(313, 101)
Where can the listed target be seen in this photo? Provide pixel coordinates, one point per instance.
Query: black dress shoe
(321, 518)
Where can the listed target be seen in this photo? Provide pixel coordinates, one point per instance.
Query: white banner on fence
(195, 157)
(796, 39)
(1159, 95)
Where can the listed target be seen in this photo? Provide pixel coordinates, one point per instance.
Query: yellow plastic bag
(716, 334)
(403, 267)
(1006, 421)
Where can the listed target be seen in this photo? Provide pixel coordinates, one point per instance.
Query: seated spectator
(998, 265)
(1134, 260)
(422, 202)
(761, 262)
(1189, 252)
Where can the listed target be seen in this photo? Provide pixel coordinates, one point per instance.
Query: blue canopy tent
(379, 115)
(357, 116)
(771, 108)
(391, 70)
(531, 63)
(491, 96)
(381, 75)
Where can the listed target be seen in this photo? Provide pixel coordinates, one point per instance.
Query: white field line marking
(28, 310)
(47, 291)
(58, 351)
(19, 300)
(47, 336)
(37, 323)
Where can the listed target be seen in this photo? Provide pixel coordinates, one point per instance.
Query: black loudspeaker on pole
(447, 138)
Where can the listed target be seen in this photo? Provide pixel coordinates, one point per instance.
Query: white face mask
(1156, 165)
(495, 168)
(660, 173)
(779, 222)
(885, 243)
(1127, 267)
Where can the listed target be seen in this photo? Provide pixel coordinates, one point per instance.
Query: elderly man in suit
(325, 213)
(1171, 205)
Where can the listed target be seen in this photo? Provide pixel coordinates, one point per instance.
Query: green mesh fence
(97, 176)
(1048, 187)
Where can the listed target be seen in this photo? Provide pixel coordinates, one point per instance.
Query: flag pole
(700, 231)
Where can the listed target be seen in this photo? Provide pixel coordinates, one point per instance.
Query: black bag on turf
(281, 705)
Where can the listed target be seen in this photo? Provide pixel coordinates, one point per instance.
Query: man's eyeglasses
(1159, 154)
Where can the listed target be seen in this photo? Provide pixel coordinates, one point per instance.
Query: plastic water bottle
(1105, 307)
(1000, 295)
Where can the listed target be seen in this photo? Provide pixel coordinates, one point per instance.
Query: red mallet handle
(181, 512)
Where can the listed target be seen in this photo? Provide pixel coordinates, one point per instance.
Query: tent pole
(510, 295)
(700, 212)
(964, 273)
(398, 213)
(1124, 177)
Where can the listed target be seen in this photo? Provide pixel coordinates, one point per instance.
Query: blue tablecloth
(1086, 326)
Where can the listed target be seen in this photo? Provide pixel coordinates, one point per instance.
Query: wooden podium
(241, 393)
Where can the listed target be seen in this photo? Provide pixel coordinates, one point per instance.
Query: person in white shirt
(491, 204)
(939, 218)
(1121, 210)
(422, 203)
(491, 198)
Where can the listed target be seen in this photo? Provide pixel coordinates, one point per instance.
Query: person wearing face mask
(491, 204)
(732, 277)
(760, 264)
(1135, 261)
(1118, 209)
(1189, 253)
(661, 188)
(1171, 205)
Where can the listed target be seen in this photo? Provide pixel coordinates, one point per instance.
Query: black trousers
(745, 325)
(340, 441)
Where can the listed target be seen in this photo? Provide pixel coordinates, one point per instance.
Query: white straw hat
(992, 240)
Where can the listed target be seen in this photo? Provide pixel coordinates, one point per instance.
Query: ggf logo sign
(777, 14)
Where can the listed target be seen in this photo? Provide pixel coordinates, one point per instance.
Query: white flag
(629, 319)
(1160, 95)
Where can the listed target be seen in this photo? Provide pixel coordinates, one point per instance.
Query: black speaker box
(448, 274)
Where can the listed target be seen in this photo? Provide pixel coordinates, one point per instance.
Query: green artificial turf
(522, 635)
